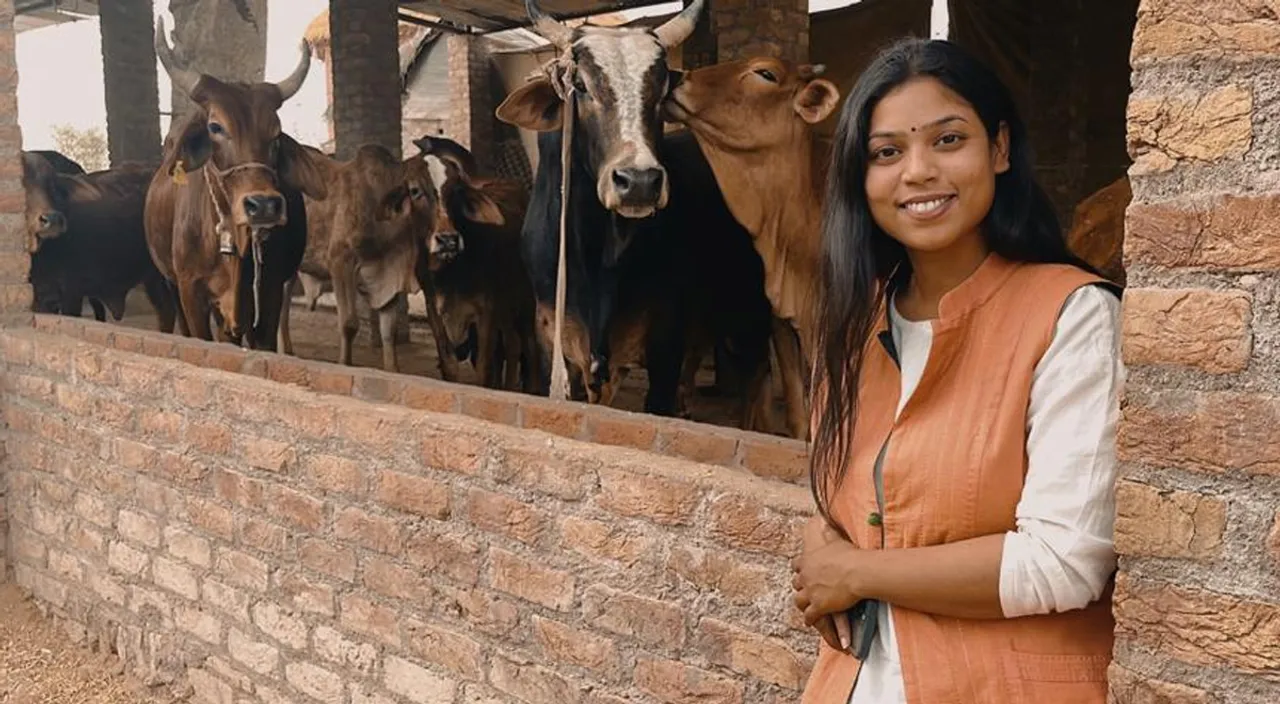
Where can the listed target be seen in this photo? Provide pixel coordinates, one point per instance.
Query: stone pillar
(364, 37)
(1197, 528)
(15, 291)
(129, 72)
(213, 37)
(761, 28)
(364, 40)
(471, 120)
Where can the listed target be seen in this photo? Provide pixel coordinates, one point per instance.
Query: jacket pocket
(1054, 679)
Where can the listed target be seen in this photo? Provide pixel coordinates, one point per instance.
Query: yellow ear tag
(179, 174)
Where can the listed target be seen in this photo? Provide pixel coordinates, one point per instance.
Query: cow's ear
(194, 147)
(533, 106)
(307, 170)
(478, 207)
(816, 100)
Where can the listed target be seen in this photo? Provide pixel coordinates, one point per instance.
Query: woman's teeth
(926, 206)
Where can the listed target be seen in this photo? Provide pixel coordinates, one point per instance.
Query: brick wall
(15, 292)
(366, 75)
(267, 541)
(471, 119)
(1198, 597)
(752, 28)
(129, 73)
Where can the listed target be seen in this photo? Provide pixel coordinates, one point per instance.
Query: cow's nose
(448, 243)
(262, 208)
(53, 220)
(638, 184)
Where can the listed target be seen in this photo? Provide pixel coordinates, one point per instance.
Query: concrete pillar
(212, 36)
(364, 40)
(746, 28)
(129, 73)
(470, 95)
(15, 291)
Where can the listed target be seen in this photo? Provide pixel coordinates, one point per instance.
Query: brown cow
(225, 218)
(85, 236)
(753, 119)
(364, 239)
(471, 269)
(1097, 229)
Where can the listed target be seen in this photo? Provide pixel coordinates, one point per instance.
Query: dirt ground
(315, 336)
(39, 664)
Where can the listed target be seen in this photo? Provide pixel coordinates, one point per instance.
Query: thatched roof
(317, 34)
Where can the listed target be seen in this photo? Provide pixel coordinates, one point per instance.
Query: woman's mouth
(928, 208)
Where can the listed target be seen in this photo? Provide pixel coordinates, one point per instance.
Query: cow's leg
(284, 341)
(344, 294)
(513, 348)
(486, 350)
(387, 331)
(160, 294)
(196, 310)
(444, 348)
(757, 395)
(786, 344)
(99, 311)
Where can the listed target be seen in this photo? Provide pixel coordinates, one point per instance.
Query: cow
(225, 219)
(363, 238)
(618, 76)
(1097, 229)
(85, 237)
(754, 121)
(471, 271)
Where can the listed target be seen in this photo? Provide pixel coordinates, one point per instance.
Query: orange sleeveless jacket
(953, 468)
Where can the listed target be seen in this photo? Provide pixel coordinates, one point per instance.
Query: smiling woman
(965, 407)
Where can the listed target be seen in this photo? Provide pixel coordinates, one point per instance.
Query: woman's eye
(884, 153)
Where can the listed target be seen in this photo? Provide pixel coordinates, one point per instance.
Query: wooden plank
(491, 15)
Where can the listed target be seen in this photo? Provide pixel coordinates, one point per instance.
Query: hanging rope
(560, 72)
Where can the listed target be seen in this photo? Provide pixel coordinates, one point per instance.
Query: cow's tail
(559, 372)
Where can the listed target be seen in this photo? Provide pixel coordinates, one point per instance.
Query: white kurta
(1061, 554)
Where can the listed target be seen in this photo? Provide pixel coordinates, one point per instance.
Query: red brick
(363, 616)
(70, 399)
(483, 611)
(209, 438)
(490, 408)
(330, 382)
(373, 532)
(333, 646)
(16, 298)
(532, 683)
(211, 518)
(740, 582)
(259, 657)
(375, 426)
(305, 593)
(86, 541)
(324, 558)
(530, 581)
(230, 600)
(141, 379)
(425, 396)
(638, 432)
(751, 654)
(1161, 523)
(1209, 432)
(141, 529)
(637, 495)
(1223, 232)
(127, 341)
(1197, 328)
(241, 569)
(192, 391)
(207, 687)
(17, 351)
(418, 495)
(134, 455)
(454, 453)
(287, 371)
(191, 354)
(120, 557)
(656, 624)
(501, 514)
(268, 455)
(225, 357)
(181, 468)
(389, 579)
(442, 553)
(316, 420)
(1129, 686)
(745, 523)
(156, 497)
(676, 683)
(262, 535)
(296, 507)
(417, 684)
(605, 541)
(451, 650)
(1273, 542)
(280, 624)
(176, 578)
(557, 419)
(1198, 627)
(159, 347)
(776, 458)
(697, 444)
(377, 387)
(561, 643)
(187, 546)
(243, 491)
(95, 510)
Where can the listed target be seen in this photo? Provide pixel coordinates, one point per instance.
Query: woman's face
(931, 168)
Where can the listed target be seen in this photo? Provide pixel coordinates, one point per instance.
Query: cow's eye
(215, 128)
(415, 192)
(767, 75)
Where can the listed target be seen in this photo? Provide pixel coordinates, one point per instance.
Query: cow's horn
(551, 29)
(290, 85)
(678, 28)
(184, 78)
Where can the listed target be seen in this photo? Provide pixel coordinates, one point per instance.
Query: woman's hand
(833, 627)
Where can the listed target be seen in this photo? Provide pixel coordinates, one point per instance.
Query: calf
(753, 119)
(471, 270)
(362, 238)
(85, 237)
(225, 219)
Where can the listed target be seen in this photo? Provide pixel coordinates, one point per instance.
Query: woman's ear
(1000, 152)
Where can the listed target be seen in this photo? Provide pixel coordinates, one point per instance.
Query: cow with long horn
(599, 157)
(225, 220)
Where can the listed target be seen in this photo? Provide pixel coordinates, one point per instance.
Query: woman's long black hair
(859, 258)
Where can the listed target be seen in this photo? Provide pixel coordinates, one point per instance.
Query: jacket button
(875, 518)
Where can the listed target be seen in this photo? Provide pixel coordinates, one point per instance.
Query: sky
(60, 71)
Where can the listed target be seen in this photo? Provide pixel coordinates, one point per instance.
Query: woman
(965, 489)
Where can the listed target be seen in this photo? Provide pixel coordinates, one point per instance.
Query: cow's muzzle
(445, 247)
(263, 209)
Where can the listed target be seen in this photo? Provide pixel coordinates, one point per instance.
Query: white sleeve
(1062, 553)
